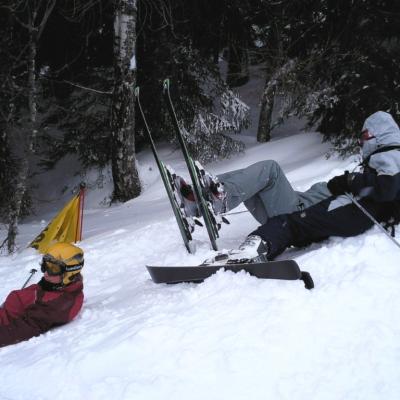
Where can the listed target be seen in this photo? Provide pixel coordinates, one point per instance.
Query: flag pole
(83, 186)
(78, 233)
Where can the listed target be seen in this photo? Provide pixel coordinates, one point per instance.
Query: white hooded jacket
(380, 179)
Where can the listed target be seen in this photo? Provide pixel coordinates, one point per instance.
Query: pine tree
(78, 84)
(335, 64)
(185, 49)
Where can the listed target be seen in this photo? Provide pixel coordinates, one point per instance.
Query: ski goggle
(365, 136)
(55, 267)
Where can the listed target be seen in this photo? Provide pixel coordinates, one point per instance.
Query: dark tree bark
(238, 44)
(267, 106)
(124, 169)
(277, 66)
(238, 64)
(21, 182)
(34, 16)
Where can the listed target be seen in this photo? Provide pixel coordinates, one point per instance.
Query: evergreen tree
(203, 101)
(31, 18)
(78, 89)
(333, 62)
(359, 62)
(8, 103)
(338, 63)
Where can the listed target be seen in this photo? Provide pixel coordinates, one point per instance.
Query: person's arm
(379, 181)
(15, 304)
(3, 316)
(39, 318)
(379, 187)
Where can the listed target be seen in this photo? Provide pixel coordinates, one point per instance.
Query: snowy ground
(231, 337)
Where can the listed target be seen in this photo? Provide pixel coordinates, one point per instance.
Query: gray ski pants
(266, 192)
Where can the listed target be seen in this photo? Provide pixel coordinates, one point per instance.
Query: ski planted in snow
(185, 223)
(283, 269)
(211, 220)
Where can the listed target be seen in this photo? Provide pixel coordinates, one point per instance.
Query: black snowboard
(285, 269)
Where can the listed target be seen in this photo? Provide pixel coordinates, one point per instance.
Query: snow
(231, 337)
(132, 64)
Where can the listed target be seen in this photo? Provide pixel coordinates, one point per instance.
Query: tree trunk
(21, 182)
(265, 120)
(238, 55)
(267, 102)
(238, 64)
(124, 169)
(16, 205)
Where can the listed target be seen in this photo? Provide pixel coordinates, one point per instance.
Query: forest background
(69, 68)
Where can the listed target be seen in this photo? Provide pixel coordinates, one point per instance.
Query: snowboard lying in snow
(284, 269)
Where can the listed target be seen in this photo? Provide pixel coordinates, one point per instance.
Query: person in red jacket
(55, 300)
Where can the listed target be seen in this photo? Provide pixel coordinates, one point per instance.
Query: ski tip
(166, 84)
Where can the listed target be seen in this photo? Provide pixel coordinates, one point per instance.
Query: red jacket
(34, 310)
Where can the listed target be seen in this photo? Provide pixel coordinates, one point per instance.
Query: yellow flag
(64, 227)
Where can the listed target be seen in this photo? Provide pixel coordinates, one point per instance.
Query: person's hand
(339, 184)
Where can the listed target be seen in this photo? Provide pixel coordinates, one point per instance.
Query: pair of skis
(185, 222)
(285, 269)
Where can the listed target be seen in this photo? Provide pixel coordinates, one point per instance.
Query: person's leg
(315, 224)
(263, 188)
(316, 193)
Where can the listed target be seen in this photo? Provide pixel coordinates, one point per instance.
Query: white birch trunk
(124, 170)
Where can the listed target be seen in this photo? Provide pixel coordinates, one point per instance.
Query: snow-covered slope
(231, 337)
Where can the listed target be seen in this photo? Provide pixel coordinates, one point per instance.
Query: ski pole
(352, 198)
(235, 212)
(32, 272)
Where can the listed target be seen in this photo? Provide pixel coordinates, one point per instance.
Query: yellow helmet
(63, 259)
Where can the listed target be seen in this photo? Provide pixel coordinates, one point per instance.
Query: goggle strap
(48, 258)
(76, 267)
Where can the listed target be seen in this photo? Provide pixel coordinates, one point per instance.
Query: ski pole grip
(32, 272)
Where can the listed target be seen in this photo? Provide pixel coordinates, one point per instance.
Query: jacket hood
(384, 129)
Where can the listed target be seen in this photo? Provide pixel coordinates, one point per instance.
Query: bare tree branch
(87, 88)
(49, 10)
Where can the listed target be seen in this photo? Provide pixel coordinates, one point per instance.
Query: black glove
(339, 184)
